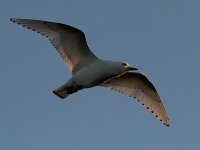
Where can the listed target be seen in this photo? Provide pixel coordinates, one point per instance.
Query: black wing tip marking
(167, 125)
(26, 26)
(12, 20)
(153, 112)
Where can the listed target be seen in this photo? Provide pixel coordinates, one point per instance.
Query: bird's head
(117, 68)
(127, 67)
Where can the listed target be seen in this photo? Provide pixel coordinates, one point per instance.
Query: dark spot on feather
(161, 120)
(167, 125)
(156, 116)
(152, 111)
(147, 107)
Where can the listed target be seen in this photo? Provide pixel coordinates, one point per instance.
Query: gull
(89, 71)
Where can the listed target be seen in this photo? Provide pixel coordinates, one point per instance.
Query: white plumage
(89, 71)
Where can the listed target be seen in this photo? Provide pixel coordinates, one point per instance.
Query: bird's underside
(71, 43)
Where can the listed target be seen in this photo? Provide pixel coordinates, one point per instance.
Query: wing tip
(166, 124)
(12, 19)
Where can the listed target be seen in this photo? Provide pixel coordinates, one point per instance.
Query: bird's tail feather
(64, 91)
(62, 94)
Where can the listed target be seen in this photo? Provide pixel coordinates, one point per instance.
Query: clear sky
(160, 37)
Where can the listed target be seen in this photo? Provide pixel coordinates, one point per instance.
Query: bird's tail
(64, 91)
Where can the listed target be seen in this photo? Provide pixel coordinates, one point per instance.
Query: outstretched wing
(138, 86)
(68, 41)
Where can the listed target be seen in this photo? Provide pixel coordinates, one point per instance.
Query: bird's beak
(132, 68)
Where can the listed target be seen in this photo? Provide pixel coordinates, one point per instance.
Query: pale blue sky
(161, 38)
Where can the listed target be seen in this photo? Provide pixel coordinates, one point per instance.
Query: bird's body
(89, 71)
(92, 75)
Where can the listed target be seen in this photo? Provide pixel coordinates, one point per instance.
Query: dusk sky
(161, 38)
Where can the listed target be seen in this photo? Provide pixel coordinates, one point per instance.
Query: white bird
(89, 71)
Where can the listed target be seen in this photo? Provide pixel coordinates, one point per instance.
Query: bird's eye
(124, 64)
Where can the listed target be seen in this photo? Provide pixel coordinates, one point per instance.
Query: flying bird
(89, 71)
